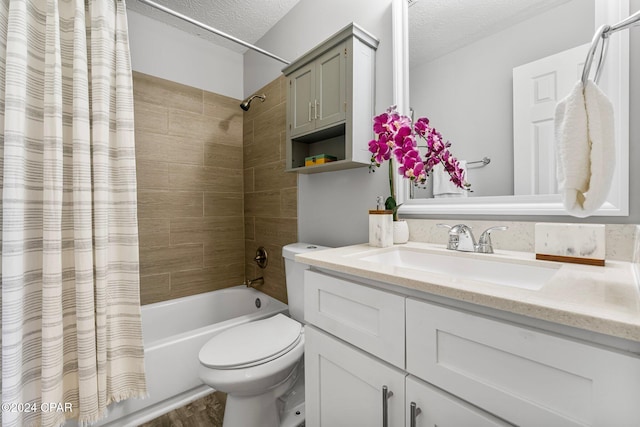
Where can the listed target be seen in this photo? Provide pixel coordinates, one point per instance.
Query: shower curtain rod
(603, 33)
(212, 30)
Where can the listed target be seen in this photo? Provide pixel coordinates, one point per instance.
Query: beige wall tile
(158, 91)
(203, 128)
(249, 180)
(222, 253)
(155, 288)
(153, 232)
(223, 155)
(264, 204)
(167, 259)
(289, 203)
(169, 204)
(247, 132)
(276, 231)
(249, 227)
(271, 198)
(167, 148)
(150, 117)
(270, 176)
(199, 197)
(225, 104)
(223, 204)
(187, 230)
(273, 98)
(152, 175)
(184, 283)
(205, 178)
(266, 138)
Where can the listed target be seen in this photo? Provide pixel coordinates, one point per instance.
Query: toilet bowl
(260, 364)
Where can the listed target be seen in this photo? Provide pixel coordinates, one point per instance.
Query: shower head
(245, 104)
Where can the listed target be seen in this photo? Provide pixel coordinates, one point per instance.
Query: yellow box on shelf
(319, 159)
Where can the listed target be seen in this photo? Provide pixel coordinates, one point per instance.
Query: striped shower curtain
(71, 327)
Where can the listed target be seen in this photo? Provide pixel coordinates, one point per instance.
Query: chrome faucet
(252, 283)
(484, 244)
(461, 239)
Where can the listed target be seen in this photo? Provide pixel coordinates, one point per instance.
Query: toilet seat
(252, 343)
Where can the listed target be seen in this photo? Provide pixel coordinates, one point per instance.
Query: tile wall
(270, 194)
(189, 157)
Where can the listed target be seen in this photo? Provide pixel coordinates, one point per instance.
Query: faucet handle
(452, 243)
(484, 243)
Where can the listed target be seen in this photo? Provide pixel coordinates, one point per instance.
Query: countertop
(598, 299)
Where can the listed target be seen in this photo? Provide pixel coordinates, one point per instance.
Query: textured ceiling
(247, 20)
(440, 26)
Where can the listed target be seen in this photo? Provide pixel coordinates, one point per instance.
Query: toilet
(260, 364)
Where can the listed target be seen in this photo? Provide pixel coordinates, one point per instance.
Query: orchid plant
(397, 136)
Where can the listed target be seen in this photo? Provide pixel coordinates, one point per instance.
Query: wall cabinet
(461, 368)
(318, 94)
(330, 102)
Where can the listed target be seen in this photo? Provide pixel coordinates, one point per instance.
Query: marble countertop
(599, 299)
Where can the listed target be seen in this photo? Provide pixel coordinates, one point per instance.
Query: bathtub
(174, 331)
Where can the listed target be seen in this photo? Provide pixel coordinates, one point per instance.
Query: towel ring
(601, 33)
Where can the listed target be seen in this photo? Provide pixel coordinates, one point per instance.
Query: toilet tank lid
(290, 251)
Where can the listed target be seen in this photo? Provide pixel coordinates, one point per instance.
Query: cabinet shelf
(322, 117)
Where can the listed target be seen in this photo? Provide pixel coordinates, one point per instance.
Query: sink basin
(529, 275)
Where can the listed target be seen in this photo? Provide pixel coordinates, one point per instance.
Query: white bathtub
(174, 331)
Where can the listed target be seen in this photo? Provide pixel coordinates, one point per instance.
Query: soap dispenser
(380, 225)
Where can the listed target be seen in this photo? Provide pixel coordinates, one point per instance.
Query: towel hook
(601, 33)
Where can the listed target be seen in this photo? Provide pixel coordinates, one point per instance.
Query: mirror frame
(614, 82)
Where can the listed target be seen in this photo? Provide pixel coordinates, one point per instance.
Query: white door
(438, 408)
(344, 386)
(537, 88)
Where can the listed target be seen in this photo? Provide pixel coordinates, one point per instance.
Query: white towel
(442, 185)
(584, 148)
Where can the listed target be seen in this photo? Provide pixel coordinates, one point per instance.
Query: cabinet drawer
(524, 376)
(441, 409)
(368, 318)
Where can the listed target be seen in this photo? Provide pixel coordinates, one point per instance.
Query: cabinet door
(344, 386)
(441, 409)
(302, 100)
(522, 375)
(329, 107)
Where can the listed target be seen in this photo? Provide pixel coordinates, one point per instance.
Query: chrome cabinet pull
(309, 110)
(386, 394)
(415, 411)
(315, 109)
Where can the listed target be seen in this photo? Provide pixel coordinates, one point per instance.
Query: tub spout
(253, 282)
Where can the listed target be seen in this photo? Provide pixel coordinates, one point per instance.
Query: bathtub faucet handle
(261, 257)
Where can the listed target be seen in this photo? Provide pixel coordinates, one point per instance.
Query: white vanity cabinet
(344, 386)
(330, 102)
(525, 376)
(460, 368)
(438, 408)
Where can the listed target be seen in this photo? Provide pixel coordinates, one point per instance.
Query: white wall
(163, 51)
(332, 206)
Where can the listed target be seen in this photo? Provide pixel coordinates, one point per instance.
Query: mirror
(472, 67)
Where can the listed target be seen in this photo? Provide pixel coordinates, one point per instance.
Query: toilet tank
(295, 275)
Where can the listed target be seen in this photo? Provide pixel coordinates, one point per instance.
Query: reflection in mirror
(488, 76)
